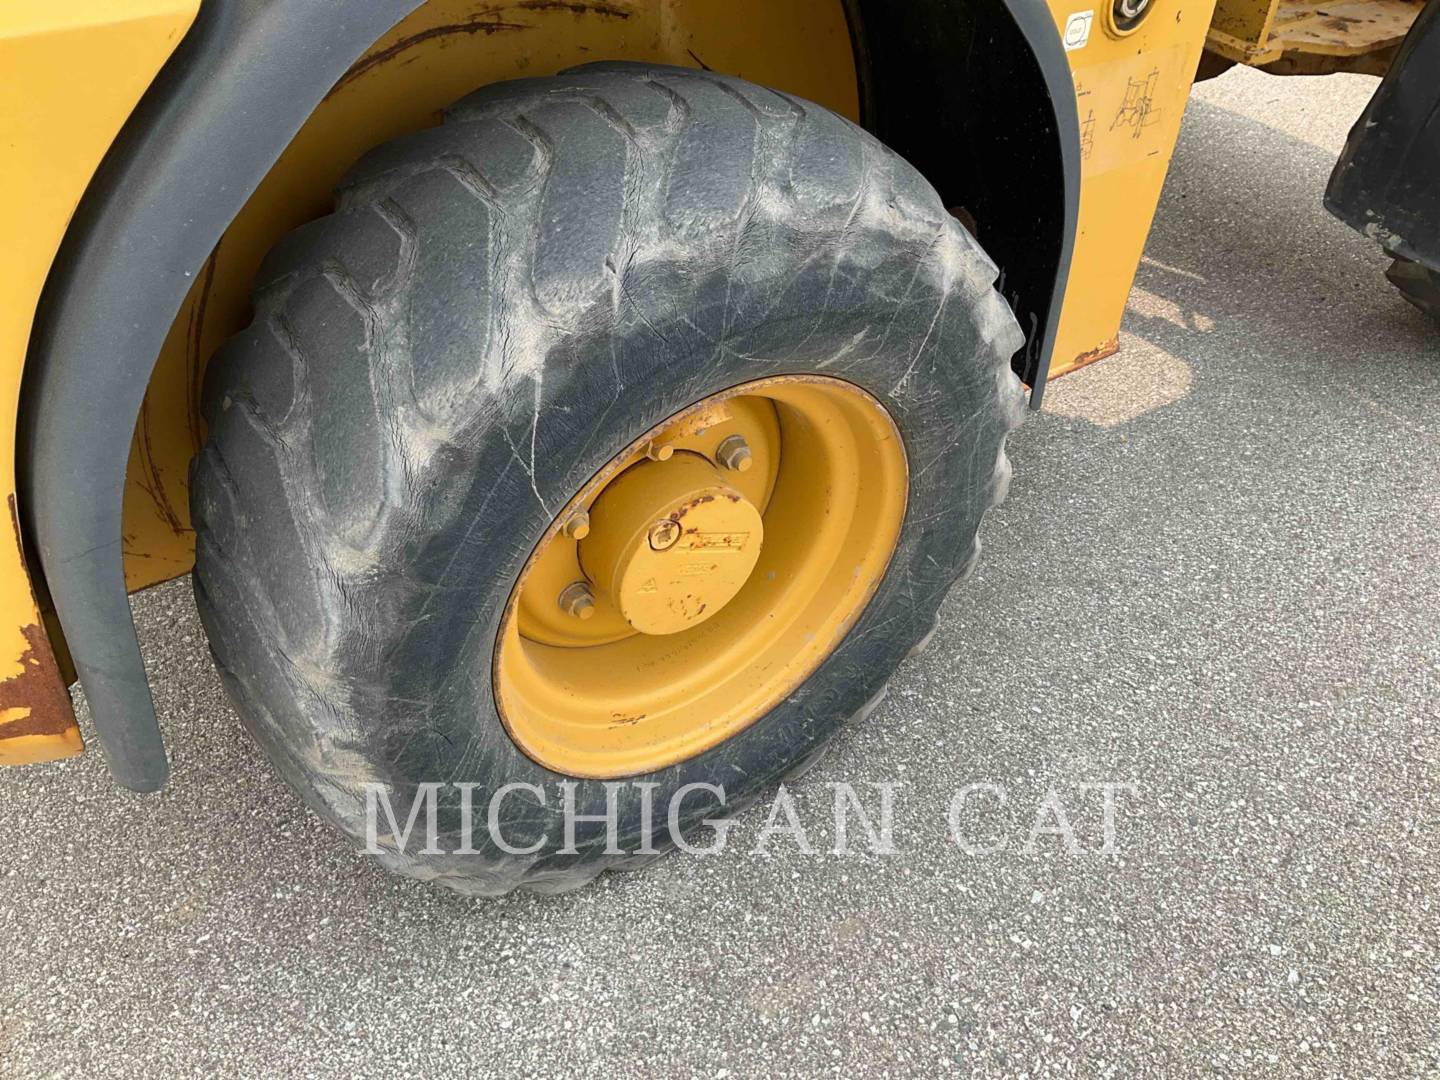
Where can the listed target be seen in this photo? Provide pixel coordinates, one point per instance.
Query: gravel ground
(1216, 580)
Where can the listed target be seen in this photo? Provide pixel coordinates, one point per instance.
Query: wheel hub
(671, 543)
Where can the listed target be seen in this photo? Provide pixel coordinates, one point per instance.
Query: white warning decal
(1077, 30)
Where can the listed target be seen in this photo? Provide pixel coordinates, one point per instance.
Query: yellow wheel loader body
(72, 74)
(70, 79)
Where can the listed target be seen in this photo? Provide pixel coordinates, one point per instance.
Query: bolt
(578, 600)
(664, 534)
(734, 454)
(578, 527)
(658, 451)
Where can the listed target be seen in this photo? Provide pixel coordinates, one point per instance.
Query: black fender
(1387, 181)
(977, 94)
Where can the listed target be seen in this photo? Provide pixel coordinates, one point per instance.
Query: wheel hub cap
(671, 543)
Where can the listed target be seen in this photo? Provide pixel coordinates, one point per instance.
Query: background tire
(1418, 284)
(497, 306)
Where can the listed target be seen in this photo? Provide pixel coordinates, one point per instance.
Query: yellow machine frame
(73, 75)
(1130, 90)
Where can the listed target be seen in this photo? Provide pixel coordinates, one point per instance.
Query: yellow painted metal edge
(1130, 93)
(1242, 52)
(1246, 22)
(70, 75)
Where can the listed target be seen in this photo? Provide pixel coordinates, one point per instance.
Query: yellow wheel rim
(701, 576)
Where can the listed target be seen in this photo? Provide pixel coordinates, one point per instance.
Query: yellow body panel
(437, 55)
(1131, 92)
(73, 72)
(1310, 36)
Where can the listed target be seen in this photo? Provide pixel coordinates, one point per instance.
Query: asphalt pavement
(1216, 584)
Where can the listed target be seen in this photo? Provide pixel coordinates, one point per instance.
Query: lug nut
(578, 600)
(578, 527)
(664, 534)
(659, 451)
(734, 454)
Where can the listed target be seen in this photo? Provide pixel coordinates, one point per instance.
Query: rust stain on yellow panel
(37, 722)
(1131, 92)
(73, 73)
(437, 55)
(1095, 355)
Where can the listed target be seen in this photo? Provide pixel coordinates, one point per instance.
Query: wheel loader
(573, 391)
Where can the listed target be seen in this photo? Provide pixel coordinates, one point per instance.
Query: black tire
(497, 306)
(1417, 283)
